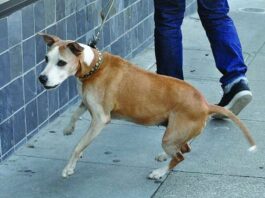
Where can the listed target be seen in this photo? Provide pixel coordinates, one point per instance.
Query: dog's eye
(46, 59)
(61, 63)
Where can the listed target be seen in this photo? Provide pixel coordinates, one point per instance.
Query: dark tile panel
(106, 33)
(5, 74)
(72, 87)
(60, 9)
(29, 54)
(31, 116)
(30, 89)
(81, 24)
(6, 133)
(43, 107)
(15, 56)
(39, 16)
(71, 27)
(40, 49)
(118, 47)
(70, 7)
(63, 93)
(5, 109)
(15, 95)
(61, 29)
(19, 125)
(53, 97)
(49, 8)
(3, 35)
(39, 68)
(14, 23)
(28, 20)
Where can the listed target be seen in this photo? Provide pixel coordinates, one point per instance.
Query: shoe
(236, 99)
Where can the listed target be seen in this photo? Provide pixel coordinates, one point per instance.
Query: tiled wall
(25, 106)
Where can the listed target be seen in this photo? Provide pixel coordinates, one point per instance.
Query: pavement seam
(218, 174)
(159, 186)
(85, 162)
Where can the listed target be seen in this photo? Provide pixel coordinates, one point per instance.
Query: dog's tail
(221, 110)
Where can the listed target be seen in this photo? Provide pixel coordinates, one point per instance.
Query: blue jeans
(220, 31)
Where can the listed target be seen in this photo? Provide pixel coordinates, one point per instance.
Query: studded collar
(96, 67)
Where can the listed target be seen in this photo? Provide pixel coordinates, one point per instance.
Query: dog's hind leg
(179, 131)
(163, 156)
(76, 115)
(97, 124)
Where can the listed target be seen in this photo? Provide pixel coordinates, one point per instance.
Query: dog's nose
(43, 79)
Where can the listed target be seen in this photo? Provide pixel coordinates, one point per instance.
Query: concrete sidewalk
(118, 161)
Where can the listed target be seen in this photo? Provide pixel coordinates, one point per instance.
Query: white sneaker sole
(239, 102)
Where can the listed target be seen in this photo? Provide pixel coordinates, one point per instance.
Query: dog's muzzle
(44, 79)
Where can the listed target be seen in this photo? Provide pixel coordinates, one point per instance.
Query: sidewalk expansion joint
(218, 174)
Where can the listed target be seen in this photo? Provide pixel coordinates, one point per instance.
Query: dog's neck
(90, 63)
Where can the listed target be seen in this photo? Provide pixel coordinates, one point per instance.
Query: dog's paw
(161, 157)
(158, 173)
(67, 172)
(68, 130)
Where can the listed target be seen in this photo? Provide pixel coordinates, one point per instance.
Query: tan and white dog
(111, 87)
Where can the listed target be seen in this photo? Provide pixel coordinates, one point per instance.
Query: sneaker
(236, 99)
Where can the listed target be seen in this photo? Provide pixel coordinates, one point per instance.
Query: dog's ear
(49, 39)
(75, 48)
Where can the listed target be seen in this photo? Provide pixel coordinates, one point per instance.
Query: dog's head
(63, 60)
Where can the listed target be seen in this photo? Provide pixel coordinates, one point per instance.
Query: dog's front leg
(76, 115)
(95, 128)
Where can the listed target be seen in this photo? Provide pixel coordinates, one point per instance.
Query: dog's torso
(131, 93)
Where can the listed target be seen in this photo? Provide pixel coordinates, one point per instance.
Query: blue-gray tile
(28, 21)
(134, 14)
(72, 87)
(60, 9)
(53, 96)
(30, 89)
(63, 93)
(31, 116)
(15, 95)
(39, 68)
(39, 16)
(120, 23)
(5, 109)
(61, 29)
(40, 49)
(6, 133)
(15, 56)
(51, 30)
(114, 28)
(43, 107)
(70, 7)
(128, 18)
(81, 24)
(3, 35)
(71, 27)
(91, 16)
(106, 34)
(14, 23)
(81, 4)
(5, 75)
(49, 8)
(19, 126)
(118, 47)
(134, 38)
(141, 33)
(29, 53)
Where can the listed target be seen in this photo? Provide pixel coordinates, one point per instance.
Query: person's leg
(168, 17)
(227, 52)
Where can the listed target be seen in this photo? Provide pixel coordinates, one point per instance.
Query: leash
(93, 42)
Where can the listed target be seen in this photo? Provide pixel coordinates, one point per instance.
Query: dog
(113, 88)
